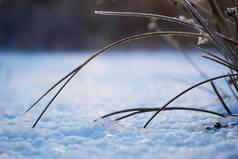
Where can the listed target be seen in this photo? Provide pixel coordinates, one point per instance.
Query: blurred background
(72, 24)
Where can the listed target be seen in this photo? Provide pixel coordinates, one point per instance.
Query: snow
(113, 81)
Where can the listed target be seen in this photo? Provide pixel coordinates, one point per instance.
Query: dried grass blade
(75, 71)
(122, 111)
(126, 116)
(171, 108)
(228, 39)
(165, 18)
(185, 91)
(220, 98)
(217, 11)
(220, 44)
(56, 84)
(220, 62)
(173, 42)
(148, 15)
(234, 83)
(54, 98)
(208, 90)
(144, 110)
(213, 55)
(231, 89)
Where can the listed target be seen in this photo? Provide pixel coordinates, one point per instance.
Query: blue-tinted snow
(111, 82)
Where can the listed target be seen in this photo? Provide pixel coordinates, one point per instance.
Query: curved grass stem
(76, 70)
(224, 49)
(145, 110)
(185, 91)
(220, 97)
(227, 62)
(165, 18)
(220, 62)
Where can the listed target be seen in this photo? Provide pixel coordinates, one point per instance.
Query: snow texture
(113, 81)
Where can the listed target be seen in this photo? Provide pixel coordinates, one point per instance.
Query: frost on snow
(110, 83)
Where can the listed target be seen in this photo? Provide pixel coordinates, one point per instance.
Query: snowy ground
(112, 82)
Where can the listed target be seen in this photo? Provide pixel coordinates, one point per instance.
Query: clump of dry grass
(220, 36)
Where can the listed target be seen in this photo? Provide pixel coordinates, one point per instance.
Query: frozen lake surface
(113, 81)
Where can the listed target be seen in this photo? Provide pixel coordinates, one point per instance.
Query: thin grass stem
(185, 91)
(222, 63)
(217, 11)
(220, 44)
(213, 55)
(56, 84)
(165, 18)
(231, 89)
(148, 15)
(220, 98)
(145, 110)
(54, 98)
(76, 70)
(128, 115)
(208, 90)
(234, 84)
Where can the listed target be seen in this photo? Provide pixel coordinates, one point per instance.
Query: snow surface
(113, 81)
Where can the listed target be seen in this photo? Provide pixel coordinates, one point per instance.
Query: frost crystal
(202, 40)
(190, 20)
